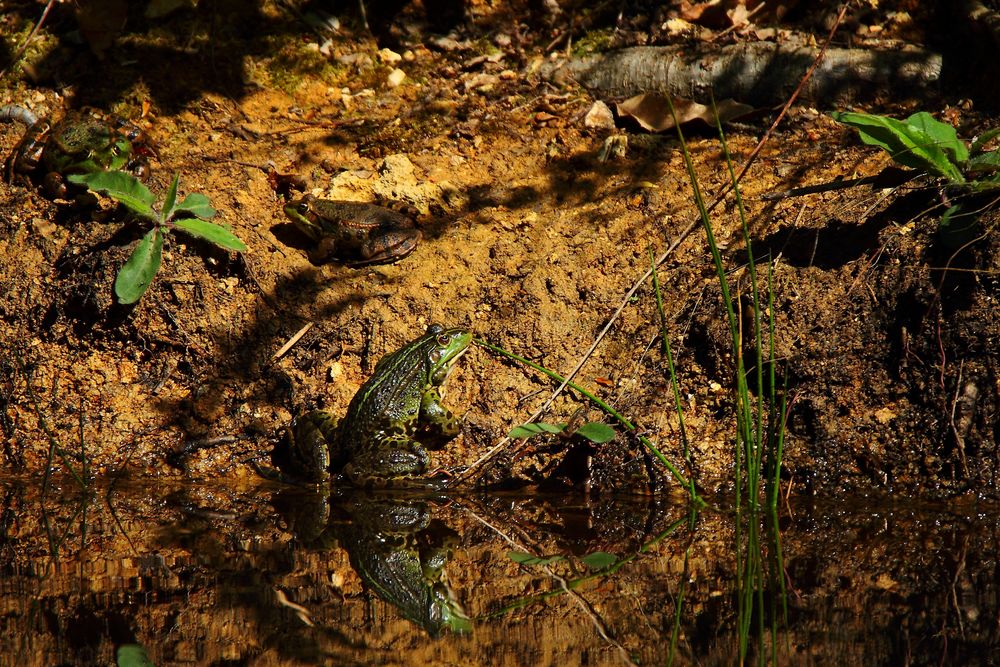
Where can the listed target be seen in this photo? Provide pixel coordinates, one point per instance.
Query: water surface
(277, 576)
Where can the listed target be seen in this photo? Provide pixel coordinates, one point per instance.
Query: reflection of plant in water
(600, 565)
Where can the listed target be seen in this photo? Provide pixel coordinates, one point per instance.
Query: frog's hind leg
(395, 456)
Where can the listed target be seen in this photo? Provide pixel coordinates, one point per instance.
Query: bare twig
(31, 36)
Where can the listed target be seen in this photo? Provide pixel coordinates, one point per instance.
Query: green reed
(759, 430)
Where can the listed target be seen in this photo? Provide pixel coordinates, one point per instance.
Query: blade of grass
(675, 386)
(628, 425)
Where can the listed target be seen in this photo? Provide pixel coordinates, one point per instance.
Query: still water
(212, 575)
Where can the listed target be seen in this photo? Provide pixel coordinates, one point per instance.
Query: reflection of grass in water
(56, 538)
(567, 585)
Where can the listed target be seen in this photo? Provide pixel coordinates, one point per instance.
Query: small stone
(389, 57)
(397, 166)
(599, 117)
(396, 77)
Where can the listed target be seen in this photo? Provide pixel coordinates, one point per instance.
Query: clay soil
(887, 340)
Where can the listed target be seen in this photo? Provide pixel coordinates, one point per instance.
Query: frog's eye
(443, 340)
(304, 207)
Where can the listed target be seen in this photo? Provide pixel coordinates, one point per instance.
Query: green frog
(375, 443)
(357, 232)
(78, 143)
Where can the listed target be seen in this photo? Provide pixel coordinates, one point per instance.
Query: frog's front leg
(393, 457)
(433, 411)
(324, 249)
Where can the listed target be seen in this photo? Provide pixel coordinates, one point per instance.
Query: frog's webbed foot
(309, 449)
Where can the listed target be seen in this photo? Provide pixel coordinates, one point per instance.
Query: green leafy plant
(597, 432)
(619, 417)
(191, 216)
(927, 145)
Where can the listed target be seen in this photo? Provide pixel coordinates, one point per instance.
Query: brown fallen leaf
(652, 111)
(543, 117)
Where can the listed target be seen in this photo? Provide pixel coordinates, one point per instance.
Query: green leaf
(983, 139)
(942, 134)
(528, 559)
(197, 205)
(140, 268)
(596, 432)
(908, 145)
(984, 163)
(956, 228)
(599, 560)
(171, 199)
(133, 655)
(533, 429)
(124, 188)
(210, 231)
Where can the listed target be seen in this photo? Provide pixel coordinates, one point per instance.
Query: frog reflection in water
(374, 444)
(356, 232)
(400, 553)
(79, 143)
(395, 545)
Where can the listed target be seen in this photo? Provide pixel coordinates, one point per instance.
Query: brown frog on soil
(356, 232)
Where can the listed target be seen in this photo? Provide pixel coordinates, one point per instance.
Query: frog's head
(303, 214)
(445, 346)
(444, 612)
(86, 146)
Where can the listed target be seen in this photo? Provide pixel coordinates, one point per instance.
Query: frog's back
(391, 394)
(358, 221)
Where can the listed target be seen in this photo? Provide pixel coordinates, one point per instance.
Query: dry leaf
(652, 111)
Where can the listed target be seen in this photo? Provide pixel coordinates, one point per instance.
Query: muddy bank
(887, 340)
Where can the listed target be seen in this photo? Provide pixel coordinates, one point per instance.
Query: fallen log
(759, 73)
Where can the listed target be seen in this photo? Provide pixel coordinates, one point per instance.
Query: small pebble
(599, 117)
(389, 57)
(396, 77)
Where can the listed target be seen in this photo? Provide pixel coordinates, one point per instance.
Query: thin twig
(27, 40)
